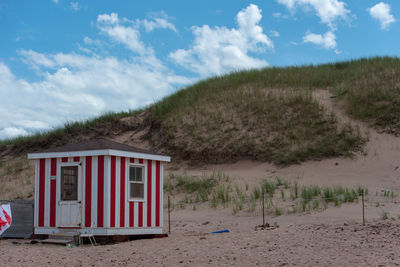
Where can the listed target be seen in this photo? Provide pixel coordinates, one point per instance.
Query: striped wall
(104, 192)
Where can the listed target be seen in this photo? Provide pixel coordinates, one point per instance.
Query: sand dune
(327, 237)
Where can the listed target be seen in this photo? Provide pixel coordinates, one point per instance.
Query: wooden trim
(149, 191)
(110, 152)
(158, 188)
(101, 231)
(88, 191)
(122, 200)
(143, 166)
(113, 188)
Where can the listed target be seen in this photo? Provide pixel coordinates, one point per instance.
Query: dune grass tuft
(217, 189)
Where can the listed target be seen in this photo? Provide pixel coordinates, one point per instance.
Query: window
(136, 182)
(69, 183)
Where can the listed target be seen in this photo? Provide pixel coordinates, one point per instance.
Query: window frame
(58, 178)
(63, 189)
(144, 182)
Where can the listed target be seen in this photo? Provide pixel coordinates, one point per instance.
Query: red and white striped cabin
(98, 186)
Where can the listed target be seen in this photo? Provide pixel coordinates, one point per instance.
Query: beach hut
(99, 187)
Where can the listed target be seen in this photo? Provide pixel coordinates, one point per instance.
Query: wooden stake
(362, 199)
(263, 208)
(169, 217)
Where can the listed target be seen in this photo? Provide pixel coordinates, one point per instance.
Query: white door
(69, 204)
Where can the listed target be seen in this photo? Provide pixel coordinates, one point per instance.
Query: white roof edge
(108, 152)
(139, 155)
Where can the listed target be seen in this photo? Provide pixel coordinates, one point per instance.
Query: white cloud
(128, 36)
(220, 50)
(10, 132)
(90, 41)
(32, 124)
(327, 10)
(72, 86)
(55, 1)
(79, 87)
(274, 33)
(75, 6)
(76, 85)
(127, 32)
(157, 21)
(327, 41)
(279, 15)
(381, 12)
(123, 32)
(36, 60)
(288, 3)
(109, 19)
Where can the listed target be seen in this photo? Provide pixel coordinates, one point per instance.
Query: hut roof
(97, 144)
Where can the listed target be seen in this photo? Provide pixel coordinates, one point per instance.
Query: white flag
(5, 217)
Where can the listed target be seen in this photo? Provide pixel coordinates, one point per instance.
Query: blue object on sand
(221, 231)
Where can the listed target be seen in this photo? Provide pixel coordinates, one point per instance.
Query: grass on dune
(369, 88)
(266, 114)
(218, 189)
(270, 114)
(278, 125)
(373, 95)
(71, 128)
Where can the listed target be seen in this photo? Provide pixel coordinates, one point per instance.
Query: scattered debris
(266, 226)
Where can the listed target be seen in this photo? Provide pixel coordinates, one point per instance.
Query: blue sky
(71, 60)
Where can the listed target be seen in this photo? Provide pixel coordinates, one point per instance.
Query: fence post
(362, 199)
(263, 208)
(169, 217)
